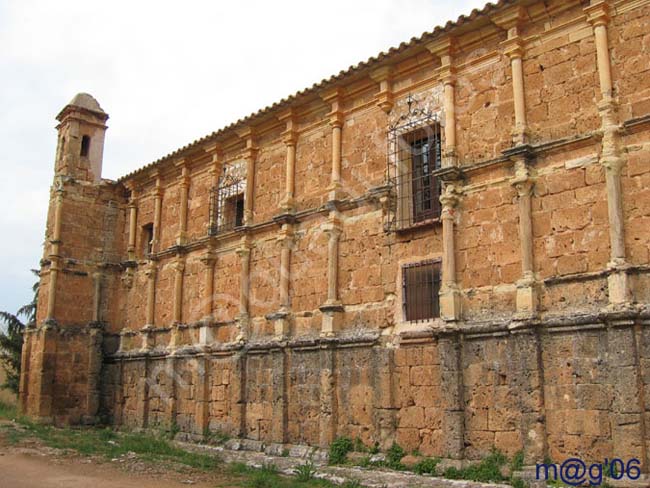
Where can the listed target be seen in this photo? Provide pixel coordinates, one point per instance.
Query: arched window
(85, 146)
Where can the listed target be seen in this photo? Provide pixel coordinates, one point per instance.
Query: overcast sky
(167, 73)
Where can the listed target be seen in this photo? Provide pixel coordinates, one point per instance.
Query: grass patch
(7, 411)
(110, 444)
(488, 470)
(339, 450)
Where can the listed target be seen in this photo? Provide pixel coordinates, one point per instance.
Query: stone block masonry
(257, 282)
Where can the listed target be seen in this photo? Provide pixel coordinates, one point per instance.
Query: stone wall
(290, 329)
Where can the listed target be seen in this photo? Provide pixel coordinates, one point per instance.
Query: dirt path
(38, 470)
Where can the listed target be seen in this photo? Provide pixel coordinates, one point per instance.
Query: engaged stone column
(150, 272)
(133, 219)
(290, 138)
(335, 98)
(97, 296)
(208, 260)
(215, 172)
(443, 49)
(610, 158)
(157, 212)
(244, 253)
(449, 292)
(282, 318)
(332, 309)
(179, 270)
(511, 19)
(250, 154)
(526, 286)
(185, 188)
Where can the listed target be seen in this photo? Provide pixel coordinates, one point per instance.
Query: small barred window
(420, 289)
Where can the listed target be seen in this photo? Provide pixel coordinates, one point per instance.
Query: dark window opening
(420, 289)
(147, 239)
(227, 200)
(85, 146)
(426, 154)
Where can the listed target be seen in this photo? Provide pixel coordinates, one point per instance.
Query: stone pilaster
(332, 309)
(449, 291)
(202, 395)
(95, 360)
(184, 184)
(453, 414)
(443, 49)
(328, 401)
(511, 20)
(54, 255)
(526, 300)
(279, 380)
(384, 76)
(610, 157)
(336, 119)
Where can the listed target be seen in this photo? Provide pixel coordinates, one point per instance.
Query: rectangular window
(418, 194)
(420, 289)
(147, 239)
(227, 200)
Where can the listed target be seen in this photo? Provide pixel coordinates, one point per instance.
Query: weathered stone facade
(289, 327)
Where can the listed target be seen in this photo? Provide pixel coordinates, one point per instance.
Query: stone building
(445, 246)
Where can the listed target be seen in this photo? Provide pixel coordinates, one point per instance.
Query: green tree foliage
(11, 339)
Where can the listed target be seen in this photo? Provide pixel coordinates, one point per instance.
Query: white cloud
(167, 72)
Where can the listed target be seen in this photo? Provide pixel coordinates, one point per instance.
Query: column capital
(597, 13)
(209, 258)
(449, 199)
(151, 270)
(179, 265)
(514, 47)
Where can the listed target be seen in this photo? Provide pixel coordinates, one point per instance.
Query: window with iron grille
(227, 200)
(420, 288)
(414, 155)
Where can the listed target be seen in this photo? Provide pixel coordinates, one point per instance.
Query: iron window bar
(420, 290)
(414, 155)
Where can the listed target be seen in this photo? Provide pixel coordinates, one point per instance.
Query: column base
(147, 339)
(618, 286)
(449, 303)
(281, 323)
(335, 192)
(526, 299)
(243, 321)
(332, 318)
